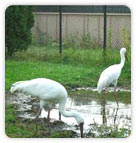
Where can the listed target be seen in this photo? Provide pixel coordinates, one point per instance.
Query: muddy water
(94, 111)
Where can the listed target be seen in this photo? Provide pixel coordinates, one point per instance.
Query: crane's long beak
(81, 129)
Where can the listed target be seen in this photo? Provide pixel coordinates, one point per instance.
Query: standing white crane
(50, 93)
(111, 74)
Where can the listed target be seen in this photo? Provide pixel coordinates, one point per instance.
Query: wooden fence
(47, 25)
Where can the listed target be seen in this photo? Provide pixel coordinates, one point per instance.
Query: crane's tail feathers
(14, 86)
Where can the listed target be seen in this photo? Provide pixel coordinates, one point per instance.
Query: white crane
(50, 93)
(111, 74)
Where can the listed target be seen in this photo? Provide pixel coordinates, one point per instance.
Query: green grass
(104, 131)
(25, 128)
(68, 75)
(76, 67)
(78, 56)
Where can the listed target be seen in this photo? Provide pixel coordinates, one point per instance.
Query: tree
(18, 23)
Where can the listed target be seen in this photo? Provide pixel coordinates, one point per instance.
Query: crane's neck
(74, 114)
(122, 55)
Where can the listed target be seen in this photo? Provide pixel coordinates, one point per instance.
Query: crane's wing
(109, 76)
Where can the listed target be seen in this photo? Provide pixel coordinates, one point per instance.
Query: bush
(18, 23)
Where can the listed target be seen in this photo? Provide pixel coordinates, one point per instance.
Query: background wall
(78, 24)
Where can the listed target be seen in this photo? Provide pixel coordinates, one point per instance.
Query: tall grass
(86, 57)
(126, 42)
(76, 50)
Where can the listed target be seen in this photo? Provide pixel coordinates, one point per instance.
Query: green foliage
(72, 41)
(126, 42)
(76, 41)
(125, 39)
(104, 131)
(18, 23)
(10, 117)
(66, 74)
(42, 38)
(16, 127)
(86, 41)
(87, 57)
(63, 134)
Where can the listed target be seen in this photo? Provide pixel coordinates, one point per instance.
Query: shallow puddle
(94, 111)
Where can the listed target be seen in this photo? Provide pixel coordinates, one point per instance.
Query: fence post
(60, 30)
(104, 30)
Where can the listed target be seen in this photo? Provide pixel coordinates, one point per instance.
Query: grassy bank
(76, 67)
(26, 128)
(68, 75)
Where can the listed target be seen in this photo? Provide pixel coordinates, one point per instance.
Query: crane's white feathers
(13, 85)
(111, 74)
(49, 92)
(43, 88)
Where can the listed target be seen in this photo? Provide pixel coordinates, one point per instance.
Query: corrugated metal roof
(83, 9)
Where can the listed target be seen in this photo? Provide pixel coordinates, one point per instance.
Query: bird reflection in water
(105, 117)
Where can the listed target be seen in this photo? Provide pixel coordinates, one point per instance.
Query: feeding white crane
(111, 74)
(50, 93)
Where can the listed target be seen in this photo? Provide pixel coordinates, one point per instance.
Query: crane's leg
(42, 104)
(115, 95)
(38, 114)
(37, 117)
(115, 117)
(104, 118)
(48, 118)
(105, 96)
(104, 114)
(59, 116)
